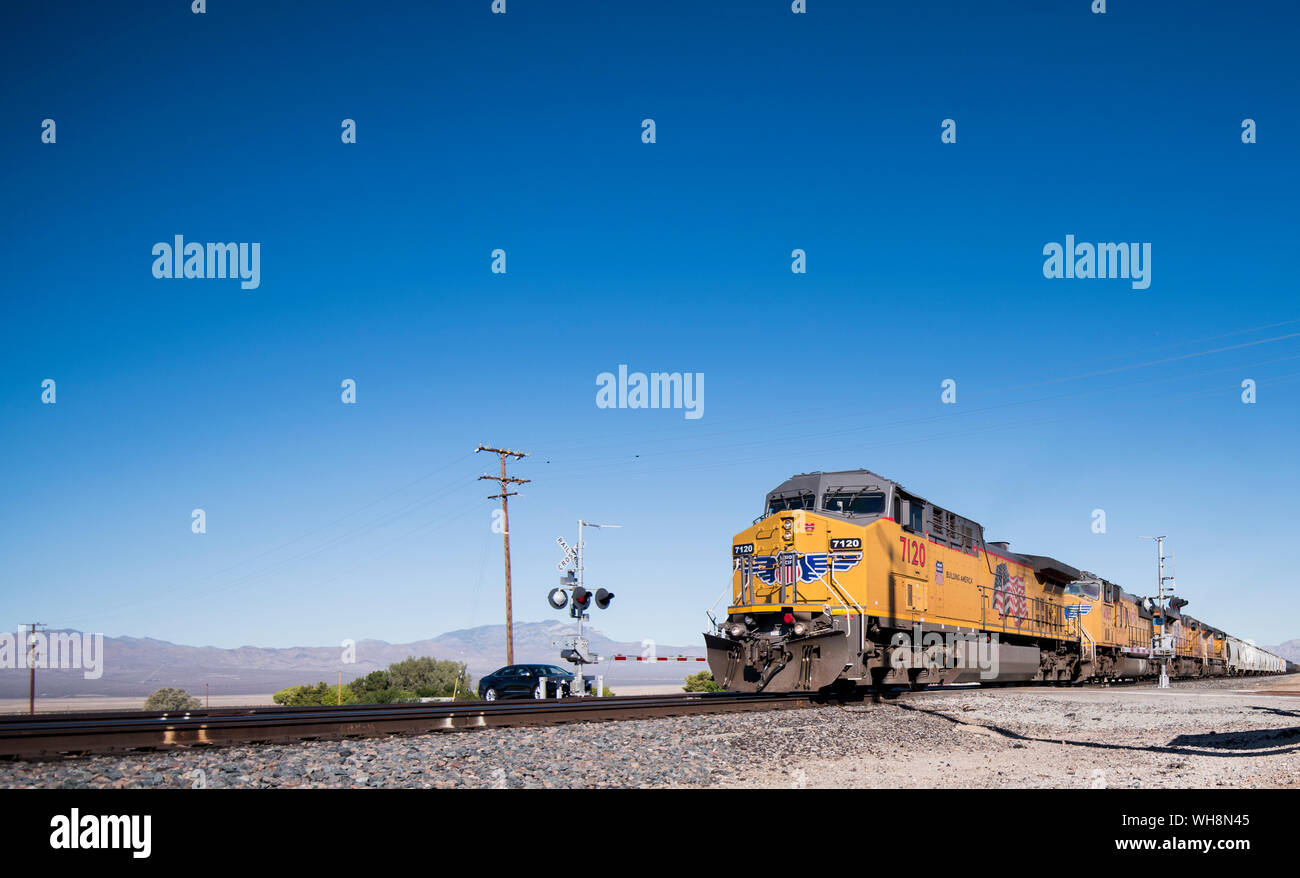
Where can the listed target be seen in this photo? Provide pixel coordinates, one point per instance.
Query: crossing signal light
(583, 599)
(558, 598)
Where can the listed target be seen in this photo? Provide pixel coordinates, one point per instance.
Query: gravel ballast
(1199, 734)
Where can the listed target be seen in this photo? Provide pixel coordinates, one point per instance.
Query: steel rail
(45, 736)
(51, 735)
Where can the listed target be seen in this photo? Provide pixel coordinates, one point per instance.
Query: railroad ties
(49, 736)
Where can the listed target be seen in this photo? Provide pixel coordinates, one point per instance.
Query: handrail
(1084, 635)
(726, 592)
(841, 593)
(1040, 616)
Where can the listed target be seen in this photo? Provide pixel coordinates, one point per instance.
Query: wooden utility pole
(504, 497)
(31, 664)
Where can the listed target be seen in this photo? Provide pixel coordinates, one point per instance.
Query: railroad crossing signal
(583, 599)
(570, 554)
(578, 599)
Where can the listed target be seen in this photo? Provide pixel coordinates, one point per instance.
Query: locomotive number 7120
(913, 552)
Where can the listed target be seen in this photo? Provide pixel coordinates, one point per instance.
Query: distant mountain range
(138, 666)
(1289, 650)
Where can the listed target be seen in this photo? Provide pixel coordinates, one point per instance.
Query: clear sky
(523, 132)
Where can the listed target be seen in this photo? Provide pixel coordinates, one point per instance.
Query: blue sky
(523, 132)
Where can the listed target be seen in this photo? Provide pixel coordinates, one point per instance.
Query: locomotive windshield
(847, 501)
(779, 503)
(1085, 589)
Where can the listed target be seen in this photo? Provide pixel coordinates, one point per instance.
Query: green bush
(386, 696)
(428, 677)
(702, 682)
(171, 699)
(378, 687)
(408, 680)
(322, 694)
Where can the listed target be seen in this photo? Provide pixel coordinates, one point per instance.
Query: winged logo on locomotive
(810, 567)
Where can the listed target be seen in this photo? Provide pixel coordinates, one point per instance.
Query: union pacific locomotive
(847, 580)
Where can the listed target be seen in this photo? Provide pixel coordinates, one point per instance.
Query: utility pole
(1160, 602)
(504, 497)
(31, 664)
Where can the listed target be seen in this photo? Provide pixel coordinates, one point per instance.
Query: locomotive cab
(794, 623)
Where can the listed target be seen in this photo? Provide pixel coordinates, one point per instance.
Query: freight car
(847, 580)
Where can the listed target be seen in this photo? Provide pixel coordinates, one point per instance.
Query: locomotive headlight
(800, 629)
(736, 631)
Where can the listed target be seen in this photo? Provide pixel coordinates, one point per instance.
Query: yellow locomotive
(847, 579)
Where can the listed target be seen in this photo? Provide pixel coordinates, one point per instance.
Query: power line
(762, 421)
(197, 588)
(619, 461)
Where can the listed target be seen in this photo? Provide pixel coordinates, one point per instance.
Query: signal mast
(576, 649)
(1163, 643)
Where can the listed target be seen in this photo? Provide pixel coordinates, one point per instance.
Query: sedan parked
(524, 681)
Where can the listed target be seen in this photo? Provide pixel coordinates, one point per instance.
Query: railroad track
(49, 736)
(52, 736)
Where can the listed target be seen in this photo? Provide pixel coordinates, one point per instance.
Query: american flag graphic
(1009, 595)
(938, 573)
(787, 569)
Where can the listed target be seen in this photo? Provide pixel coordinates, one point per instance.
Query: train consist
(848, 580)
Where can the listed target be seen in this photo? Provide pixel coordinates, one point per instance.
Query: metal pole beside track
(1164, 616)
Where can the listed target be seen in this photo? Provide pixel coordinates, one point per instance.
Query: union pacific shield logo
(787, 571)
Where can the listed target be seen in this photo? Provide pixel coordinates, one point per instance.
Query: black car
(523, 681)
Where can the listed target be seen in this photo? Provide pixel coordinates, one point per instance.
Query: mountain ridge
(139, 665)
